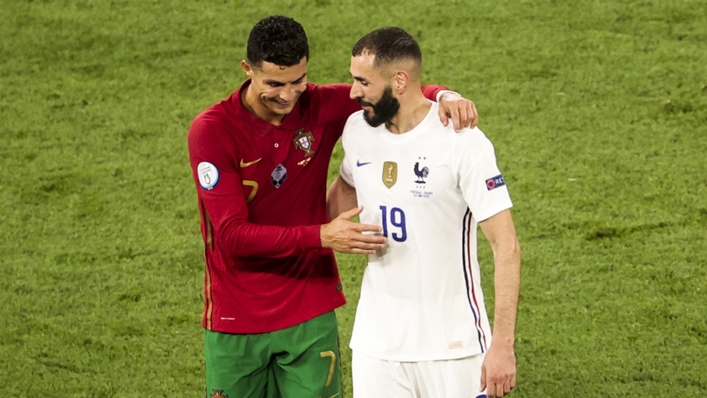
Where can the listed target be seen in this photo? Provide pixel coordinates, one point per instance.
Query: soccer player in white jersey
(421, 328)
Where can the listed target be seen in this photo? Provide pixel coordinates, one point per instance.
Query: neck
(412, 111)
(250, 101)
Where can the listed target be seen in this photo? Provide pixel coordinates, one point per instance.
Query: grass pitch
(597, 109)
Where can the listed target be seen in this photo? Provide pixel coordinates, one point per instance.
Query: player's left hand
(498, 372)
(459, 109)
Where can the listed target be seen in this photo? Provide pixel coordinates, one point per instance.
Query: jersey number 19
(397, 220)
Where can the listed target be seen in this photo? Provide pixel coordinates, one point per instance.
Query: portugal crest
(303, 140)
(390, 174)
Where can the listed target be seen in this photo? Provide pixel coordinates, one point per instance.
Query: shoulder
(208, 122)
(472, 146)
(330, 101)
(333, 89)
(356, 122)
(356, 130)
(213, 130)
(471, 137)
(356, 119)
(328, 91)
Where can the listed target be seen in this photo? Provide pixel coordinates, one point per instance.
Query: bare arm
(499, 370)
(340, 198)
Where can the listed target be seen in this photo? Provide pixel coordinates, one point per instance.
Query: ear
(401, 80)
(247, 68)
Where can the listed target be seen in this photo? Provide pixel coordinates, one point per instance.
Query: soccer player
(421, 328)
(260, 159)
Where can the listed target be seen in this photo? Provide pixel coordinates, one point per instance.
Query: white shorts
(378, 378)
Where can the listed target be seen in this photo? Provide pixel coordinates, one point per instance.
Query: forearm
(501, 234)
(252, 240)
(430, 91)
(341, 197)
(226, 228)
(507, 286)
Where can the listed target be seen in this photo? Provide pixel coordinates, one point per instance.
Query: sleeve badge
(495, 182)
(208, 175)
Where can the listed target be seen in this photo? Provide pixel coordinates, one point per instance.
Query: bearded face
(382, 111)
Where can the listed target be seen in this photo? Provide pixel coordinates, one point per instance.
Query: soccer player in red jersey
(260, 161)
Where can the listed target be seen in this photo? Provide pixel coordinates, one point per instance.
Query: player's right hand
(498, 371)
(346, 236)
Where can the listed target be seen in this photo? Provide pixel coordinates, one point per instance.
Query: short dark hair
(388, 44)
(279, 40)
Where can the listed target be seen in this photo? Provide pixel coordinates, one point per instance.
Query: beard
(383, 110)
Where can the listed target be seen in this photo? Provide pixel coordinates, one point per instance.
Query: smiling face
(372, 90)
(274, 90)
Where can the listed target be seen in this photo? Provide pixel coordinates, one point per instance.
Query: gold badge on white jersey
(390, 174)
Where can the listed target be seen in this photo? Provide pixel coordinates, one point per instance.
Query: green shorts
(298, 362)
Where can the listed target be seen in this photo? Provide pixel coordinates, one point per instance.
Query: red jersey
(262, 199)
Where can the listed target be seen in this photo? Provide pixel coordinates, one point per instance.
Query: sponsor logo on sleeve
(208, 175)
(495, 182)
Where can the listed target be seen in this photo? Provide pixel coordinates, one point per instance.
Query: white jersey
(421, 296)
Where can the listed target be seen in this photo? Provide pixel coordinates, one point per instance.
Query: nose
(288, 94)
(355, 91)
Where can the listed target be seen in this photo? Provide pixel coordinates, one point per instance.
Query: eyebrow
(271, 81)
(359, 78)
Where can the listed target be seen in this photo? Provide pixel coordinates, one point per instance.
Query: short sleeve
(481, 182)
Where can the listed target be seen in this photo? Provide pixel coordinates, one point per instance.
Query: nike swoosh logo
(359, 164)
(246, 164)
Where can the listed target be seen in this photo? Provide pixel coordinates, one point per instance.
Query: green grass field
(597, 109)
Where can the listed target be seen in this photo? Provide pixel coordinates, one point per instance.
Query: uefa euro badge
(390, 174)
(304, 141)
(208, 175)
(278, 176)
